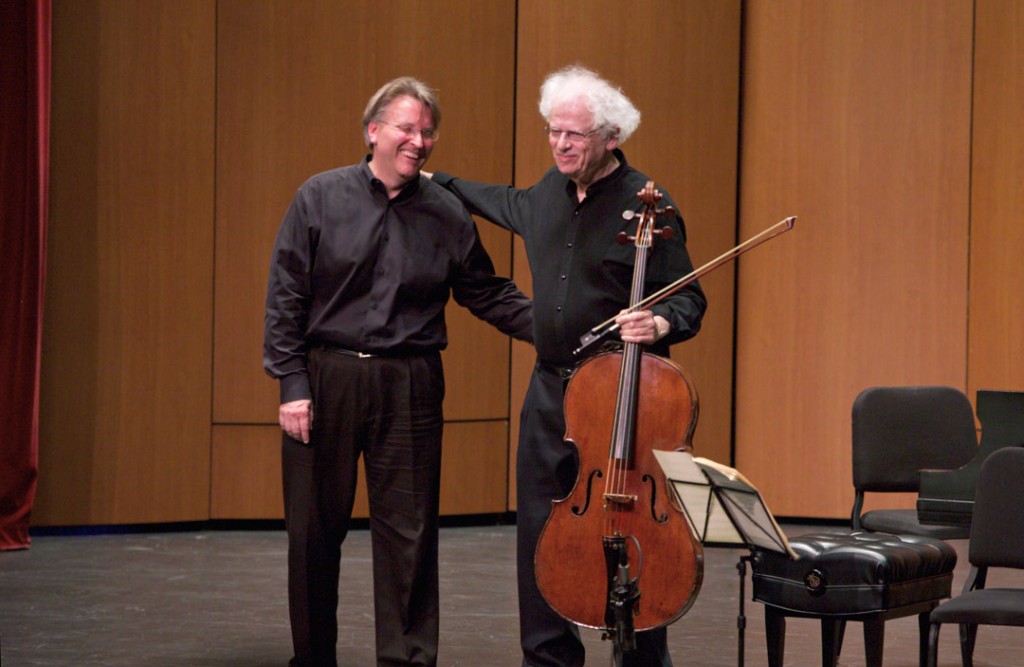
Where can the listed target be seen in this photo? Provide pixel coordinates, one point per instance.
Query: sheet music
(721, 504)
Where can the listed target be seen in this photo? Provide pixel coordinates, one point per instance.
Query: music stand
(725, 510)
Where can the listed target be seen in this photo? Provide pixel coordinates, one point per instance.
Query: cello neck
(624, 425)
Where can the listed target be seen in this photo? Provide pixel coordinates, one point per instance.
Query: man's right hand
(296, 419)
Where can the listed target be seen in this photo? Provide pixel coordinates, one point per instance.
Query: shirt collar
(603, 182)
(377, 185)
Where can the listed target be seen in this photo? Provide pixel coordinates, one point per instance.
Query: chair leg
(968, 633)
(874, 641)
(831, 632)
(922, 631)
(933, 645)
(775, 635)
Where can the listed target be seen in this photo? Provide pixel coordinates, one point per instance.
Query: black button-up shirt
(581, 274)
(354, 269)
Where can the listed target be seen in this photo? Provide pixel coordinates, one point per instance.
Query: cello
(617, 553)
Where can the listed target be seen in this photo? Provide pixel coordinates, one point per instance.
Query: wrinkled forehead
(408, 109)
(573, 115)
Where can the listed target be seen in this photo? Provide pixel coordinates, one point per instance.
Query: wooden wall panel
(856, 117)
(125, 406)
(474, 474)
(293, 79)
(246, 471)
(996, 333)
(679, 63)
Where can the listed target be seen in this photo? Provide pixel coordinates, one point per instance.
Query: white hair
(611, 108)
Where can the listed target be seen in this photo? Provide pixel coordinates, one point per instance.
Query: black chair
(997, 540)
(897, 432)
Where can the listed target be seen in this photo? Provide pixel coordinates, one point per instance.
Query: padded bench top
(844, 573)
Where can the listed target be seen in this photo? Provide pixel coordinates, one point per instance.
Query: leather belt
(563, 372)
(348, 353)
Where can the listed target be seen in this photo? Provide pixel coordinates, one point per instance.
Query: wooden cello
(617, 553)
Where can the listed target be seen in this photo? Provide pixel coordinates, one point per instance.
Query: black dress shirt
(354, 269)
(581, 274)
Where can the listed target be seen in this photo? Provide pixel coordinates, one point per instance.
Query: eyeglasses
(410, 130)
(572, 135)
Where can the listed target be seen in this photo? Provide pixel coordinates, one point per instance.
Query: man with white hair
(569, 221)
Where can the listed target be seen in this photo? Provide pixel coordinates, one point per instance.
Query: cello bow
(608, 327)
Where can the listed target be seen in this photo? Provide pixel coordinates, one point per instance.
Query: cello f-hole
(654, 497)
(590, 487)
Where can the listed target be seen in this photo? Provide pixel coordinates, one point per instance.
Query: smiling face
(399, 150)
(582, 161)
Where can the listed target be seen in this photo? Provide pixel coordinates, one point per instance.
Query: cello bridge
(619, 498)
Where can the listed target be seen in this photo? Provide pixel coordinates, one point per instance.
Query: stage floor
(217, 598)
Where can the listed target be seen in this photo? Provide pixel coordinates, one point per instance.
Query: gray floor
(216, 598)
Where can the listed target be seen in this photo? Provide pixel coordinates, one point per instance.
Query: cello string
(625, 420)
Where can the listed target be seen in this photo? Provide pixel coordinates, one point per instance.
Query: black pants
(388, 410)
(546, 470)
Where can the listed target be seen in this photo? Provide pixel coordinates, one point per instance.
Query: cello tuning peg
(628, 214)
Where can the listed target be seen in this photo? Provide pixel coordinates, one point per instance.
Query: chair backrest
(898, 431)
(997, 529)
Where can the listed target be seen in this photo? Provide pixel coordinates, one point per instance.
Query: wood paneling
(246, 471)
(996, 333)
(125, 406)
(679, 63)
(856, 117)
(474, 474)
(293, 79)
(181, 130)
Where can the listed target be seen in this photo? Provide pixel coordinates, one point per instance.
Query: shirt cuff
(295, 387)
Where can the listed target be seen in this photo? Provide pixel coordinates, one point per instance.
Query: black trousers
(387, 410)
(546, 470)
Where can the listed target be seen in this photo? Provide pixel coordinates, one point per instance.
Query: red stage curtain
(24, 166)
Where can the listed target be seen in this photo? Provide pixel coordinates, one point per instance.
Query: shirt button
(562, 276)
(558, 308)
(568, 245)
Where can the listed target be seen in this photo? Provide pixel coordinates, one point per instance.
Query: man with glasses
(569, 221)
(363, 265)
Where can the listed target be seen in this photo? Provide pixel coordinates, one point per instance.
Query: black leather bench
(867, 577)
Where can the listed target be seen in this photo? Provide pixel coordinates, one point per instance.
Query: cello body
(572, 568)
